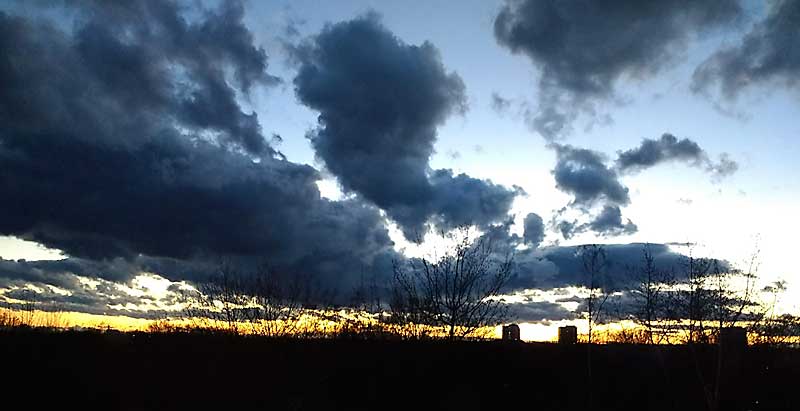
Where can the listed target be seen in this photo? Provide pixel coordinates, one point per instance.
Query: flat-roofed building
(568, 334)
(511, 332)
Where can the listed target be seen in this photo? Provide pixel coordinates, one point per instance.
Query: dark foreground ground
(115, 371)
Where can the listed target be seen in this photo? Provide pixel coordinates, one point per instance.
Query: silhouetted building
(568, 334)
(733, 337)
(511, 332)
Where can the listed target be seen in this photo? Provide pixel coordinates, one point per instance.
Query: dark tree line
(458, 294)
(695, 303)
(262, 302)
(689, 303)
(455, 295)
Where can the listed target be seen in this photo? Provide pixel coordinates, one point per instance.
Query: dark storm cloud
(141, 60)
(534, 229)
(670, 148)
(566, 228)
(609, 223)
(584, 47)
(667, 148)
(462, 199)
(768, 54)
(123, 138)
(380, 102)
(584, 174)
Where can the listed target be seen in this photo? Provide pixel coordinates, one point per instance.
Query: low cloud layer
(61, 285)
(86, 286)
(560, 269)
(583, 47)
(380, 102)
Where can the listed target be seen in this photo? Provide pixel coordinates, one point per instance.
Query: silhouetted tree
(780, 330)
(458, 291)
(276, 301)
(690, 305)
(776, 329)
(649, 299)
(266, 302)
(713, 297)
(219, 299)
(366, 296)
(593, 257)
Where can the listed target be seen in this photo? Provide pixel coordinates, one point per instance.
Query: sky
(155, 138)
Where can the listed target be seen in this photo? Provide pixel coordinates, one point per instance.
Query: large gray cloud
(669, 148)
(121, 136)
(534, 229)
(587, 176)
(768, 54)
(609, 222)
(584, 174)
(583, 47)
(380, 102)
(148, 57)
